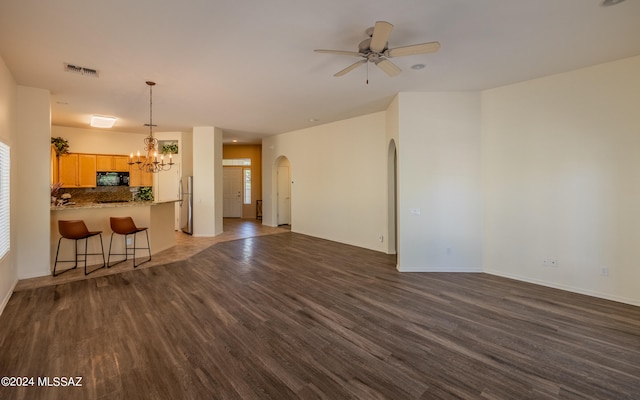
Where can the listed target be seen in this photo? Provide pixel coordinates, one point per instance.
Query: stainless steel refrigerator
(186, 204)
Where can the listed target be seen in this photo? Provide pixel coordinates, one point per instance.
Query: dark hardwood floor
(287, 316)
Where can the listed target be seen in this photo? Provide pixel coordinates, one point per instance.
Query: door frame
(282, 161)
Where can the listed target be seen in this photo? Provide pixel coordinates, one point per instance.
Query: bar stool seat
(76, 230)
(125, 226)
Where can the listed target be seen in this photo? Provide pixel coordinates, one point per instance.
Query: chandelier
(150, 163)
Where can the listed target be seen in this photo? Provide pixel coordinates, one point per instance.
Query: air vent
(81, 70)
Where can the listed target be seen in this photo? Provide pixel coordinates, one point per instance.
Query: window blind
(5, 197)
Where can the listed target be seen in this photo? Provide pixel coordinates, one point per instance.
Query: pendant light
(151, 163)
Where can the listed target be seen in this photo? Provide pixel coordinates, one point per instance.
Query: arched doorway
(392, 193)
(282, 179)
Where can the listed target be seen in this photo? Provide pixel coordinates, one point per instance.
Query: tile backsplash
(98, 194)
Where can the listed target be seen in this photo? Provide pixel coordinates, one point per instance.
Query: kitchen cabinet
(68, 169)
(138, 177)
(121, 163)
(109, 163)
(55, 172)
(77, 170)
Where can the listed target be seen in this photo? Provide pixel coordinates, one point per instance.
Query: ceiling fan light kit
(607, 3)
(375, 50)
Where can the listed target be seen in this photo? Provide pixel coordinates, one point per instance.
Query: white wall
(339, 174)
(207, 181)
(439, 175)
(560, 165)
(8, 94)
(33, 189)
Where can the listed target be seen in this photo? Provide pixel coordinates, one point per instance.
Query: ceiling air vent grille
(81, 70)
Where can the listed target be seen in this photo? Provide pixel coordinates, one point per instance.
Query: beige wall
(100, 141)
(439, 185)
(339, 174)
(207, 181)
(33, 181)
(254, 152)
(560, 166)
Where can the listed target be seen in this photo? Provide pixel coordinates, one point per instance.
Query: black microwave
(112, 179)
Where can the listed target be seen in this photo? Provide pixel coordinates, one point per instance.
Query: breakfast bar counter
(158, 217)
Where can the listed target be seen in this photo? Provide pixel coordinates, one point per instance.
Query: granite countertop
(103, 205)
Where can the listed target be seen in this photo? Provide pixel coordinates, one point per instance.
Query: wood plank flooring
(287, 316)
(186, 246)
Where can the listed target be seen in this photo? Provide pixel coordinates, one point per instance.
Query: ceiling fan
(375, 50)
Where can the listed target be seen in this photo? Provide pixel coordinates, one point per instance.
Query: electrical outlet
(604, 271)
(381, 238)
(128, 241)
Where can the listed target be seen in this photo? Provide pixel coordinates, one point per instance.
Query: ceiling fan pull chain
(367, 73)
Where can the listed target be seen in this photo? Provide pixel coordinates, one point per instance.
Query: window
(5, 196)
(236, 162)
(247, 186)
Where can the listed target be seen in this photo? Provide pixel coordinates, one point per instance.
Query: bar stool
(125, 226)
(76, 230)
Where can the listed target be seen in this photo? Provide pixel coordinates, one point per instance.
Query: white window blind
(5, 196)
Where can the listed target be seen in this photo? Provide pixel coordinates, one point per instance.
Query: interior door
(232, 192)
(284, 196)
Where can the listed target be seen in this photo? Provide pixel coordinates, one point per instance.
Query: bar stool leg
(104, 264)
(55, 264)
(146, 232)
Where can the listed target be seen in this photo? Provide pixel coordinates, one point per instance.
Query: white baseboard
(5, 301)
(567, 288)
(35, 275)
(439, 269)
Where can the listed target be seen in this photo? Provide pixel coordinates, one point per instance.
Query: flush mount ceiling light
(607, 3)
(98, 121)
(417, 66)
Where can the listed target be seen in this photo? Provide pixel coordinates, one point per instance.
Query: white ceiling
(249, 67)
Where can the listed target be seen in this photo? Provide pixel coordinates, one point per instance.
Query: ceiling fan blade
(421, 48)
(350, 68)
(387, 66)
(340, 52)
(380, 36)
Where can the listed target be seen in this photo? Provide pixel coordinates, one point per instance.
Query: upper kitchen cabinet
(137, 177)
(77, 170)
(54, 166)
(107, 163)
